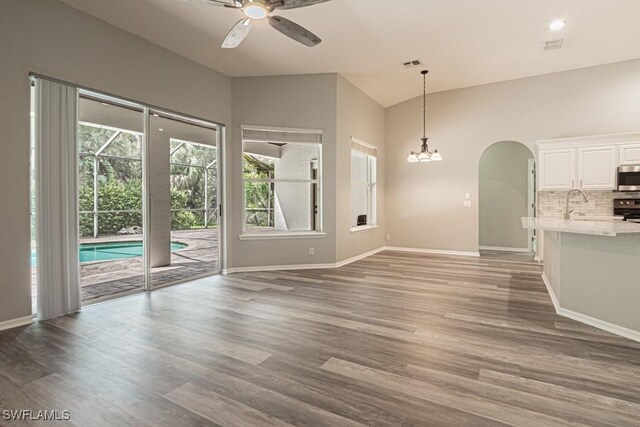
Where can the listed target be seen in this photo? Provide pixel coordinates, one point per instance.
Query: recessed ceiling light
(161, 130)
(557, 25)
(104, 103)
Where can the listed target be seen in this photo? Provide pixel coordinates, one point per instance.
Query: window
(363, 185)
(282, 181)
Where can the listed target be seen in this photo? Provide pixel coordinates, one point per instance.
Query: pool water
(90, 252)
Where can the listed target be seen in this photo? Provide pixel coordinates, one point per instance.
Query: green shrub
(117, 195)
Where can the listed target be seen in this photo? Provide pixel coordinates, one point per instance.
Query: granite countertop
(604, 226)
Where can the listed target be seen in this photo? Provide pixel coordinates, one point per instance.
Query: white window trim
(364, 143)
(281, 129)
(373, 208)
(283, 235)
(280, 235)
(362, 228)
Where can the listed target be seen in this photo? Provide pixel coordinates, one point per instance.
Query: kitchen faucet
(567, 212)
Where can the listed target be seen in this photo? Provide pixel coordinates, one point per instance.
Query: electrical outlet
(312, 251)
(467, 203)
(388, 237)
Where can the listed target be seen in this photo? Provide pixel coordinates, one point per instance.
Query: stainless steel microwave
(629, 178)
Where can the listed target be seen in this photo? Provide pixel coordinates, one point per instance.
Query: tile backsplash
(551, 203)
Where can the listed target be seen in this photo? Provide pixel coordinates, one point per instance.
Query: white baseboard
(504, 249)
(346, 261)
(588, 320)
(432, 251)
(552, 293)
(600, 324)
(359, 257)
(301, 266)
(275, 268)
(14, 323)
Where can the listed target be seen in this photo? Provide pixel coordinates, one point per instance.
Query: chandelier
(424, 155)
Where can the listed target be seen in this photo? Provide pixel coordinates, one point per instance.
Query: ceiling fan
(256, 10)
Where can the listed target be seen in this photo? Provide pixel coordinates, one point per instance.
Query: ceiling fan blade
(294, 4)
(237, 34)
(294, 31)
(220, 3)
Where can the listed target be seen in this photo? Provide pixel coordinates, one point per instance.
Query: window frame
(371, 187)
(278, 234)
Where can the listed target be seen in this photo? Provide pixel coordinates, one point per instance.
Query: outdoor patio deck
(106, 278)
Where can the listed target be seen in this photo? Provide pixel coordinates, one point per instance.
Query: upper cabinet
(589, 163)
(630, 154)
(597, 167)
(556, 169)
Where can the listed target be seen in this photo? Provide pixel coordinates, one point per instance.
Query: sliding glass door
(110, 196)
(183, 190)
(147, 197)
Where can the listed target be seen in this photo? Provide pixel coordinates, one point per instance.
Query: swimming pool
(90, 252)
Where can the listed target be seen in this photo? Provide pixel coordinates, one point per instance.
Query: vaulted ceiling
(462, 42)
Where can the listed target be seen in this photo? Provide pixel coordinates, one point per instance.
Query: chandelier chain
(424, 106)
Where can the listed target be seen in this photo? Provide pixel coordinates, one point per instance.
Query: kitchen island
(592, 271)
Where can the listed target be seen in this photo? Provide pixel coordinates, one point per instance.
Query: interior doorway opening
(506, 194)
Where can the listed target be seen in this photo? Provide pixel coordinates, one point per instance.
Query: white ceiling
(462, 42)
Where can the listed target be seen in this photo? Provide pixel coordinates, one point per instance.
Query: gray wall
(307, 102)
(49, 38)
(503, 195)
(425, 201)
(590, 275)
(360, 117)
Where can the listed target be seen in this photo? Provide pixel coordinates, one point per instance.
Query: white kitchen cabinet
(597, 167)
(630, 154)
(588, 162)
(557, 169)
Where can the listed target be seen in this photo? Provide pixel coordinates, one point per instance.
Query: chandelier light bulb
(412, 158)
(424, 157)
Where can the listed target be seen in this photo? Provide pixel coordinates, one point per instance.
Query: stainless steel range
(629, 208)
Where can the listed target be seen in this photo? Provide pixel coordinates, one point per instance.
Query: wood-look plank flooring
(394, 339)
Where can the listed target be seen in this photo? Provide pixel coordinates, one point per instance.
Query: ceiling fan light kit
(424, 155)
(256, 10)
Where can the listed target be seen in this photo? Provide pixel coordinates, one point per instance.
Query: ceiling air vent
(552, 44)
(410, 64)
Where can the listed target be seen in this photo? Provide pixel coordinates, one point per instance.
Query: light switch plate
(467, 196)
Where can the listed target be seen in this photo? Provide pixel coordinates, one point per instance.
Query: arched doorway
(506, 194)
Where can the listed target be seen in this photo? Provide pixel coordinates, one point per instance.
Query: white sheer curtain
(57, 265)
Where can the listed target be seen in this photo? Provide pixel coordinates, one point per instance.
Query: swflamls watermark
(33, 415)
